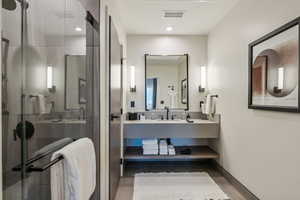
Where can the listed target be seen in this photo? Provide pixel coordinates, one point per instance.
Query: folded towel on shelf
(150, 146)
(171, 150)
(150, 152)
(149, 141)
(163, 147)
(163, 153)
(74, 178)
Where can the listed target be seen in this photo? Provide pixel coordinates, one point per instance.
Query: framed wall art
(274, 70)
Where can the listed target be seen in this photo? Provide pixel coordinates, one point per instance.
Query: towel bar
(30, 168)
(45, 167)
(35, 96)
(214, 96)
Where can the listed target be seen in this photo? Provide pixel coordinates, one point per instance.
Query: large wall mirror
(75, 82)
(166, 82)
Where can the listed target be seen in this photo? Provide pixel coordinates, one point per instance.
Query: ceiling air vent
(173, 14)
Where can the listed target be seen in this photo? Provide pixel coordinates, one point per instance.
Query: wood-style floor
(125, 190)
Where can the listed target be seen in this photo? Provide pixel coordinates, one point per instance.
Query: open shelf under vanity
(198, 137)
(197, 153)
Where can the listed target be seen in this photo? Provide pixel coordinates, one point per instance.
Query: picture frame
(184, 91)
(274, 70)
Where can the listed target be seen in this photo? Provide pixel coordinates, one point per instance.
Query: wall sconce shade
(132, 79)
(202, 86)
(280, 78)
(50, 85)
(280, 81)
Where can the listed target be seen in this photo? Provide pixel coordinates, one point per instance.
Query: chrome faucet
(168, 111)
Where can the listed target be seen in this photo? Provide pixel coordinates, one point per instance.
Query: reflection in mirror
(166, 82)
(75, 87)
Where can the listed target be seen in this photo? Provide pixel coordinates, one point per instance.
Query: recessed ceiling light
(78, 29)
(169, 28)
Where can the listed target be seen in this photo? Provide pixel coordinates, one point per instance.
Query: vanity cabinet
(180, 129)
(171, 129)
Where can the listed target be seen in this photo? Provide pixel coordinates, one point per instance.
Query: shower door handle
(112, 117)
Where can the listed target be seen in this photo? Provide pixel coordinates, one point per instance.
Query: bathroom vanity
(174, 129)
(167, 106)
(171, 129)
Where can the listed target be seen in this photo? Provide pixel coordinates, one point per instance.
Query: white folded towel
(149, 141)
(164, 153)
(150, 146)
(171, 150)
(74, 178)
(150, 152)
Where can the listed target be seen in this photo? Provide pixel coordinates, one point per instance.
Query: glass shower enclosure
(50, 89)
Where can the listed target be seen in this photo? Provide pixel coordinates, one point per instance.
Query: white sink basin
(177, 121)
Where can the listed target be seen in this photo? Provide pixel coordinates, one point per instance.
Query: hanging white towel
(172, 97)
(42, 104)
(57, 181)
(74, 178)
(38, 104)
(35, 105)
(210, 105)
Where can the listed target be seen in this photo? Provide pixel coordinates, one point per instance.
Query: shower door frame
(93, 123)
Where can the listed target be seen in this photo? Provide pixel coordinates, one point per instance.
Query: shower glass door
(48, 58)
(11, 49)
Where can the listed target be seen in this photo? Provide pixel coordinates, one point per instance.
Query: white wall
(260, 148)
(138, 45)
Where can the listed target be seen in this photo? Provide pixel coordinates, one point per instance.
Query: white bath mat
(176, 186)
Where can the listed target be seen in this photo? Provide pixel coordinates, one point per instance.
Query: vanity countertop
(63, 121)
(145, 122)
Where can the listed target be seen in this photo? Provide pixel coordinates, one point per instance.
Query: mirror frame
(65, 86)
(187, 78)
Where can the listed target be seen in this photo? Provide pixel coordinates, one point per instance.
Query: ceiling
(147, 16)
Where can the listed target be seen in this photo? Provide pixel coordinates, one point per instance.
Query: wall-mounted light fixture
(280, 82)
(169, 28)
(50, 85)
(202, 86)
(132, 79)
(78, 29)
(280, 78)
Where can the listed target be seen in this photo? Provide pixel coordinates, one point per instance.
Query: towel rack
(35, 96)
(45, 167)
(214, 96)
(29, 163)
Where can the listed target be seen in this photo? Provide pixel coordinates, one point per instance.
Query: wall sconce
(202, 86)
(132, 79)
(50, 85)
(280, 83)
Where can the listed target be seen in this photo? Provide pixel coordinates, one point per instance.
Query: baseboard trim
(237, 184)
